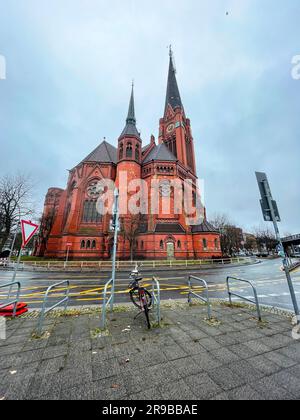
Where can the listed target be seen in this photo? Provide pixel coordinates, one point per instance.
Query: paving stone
(205, 361)
(244, 393)
(177, 391)
(288, 381)
(280, 359)
(225, 355)
(262, 364)
(202, 386)
(226, 378)
(270, 390)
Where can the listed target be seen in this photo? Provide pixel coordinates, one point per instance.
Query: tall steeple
(173, 96)
(130, 128)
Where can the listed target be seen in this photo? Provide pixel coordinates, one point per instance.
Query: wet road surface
(87, 288)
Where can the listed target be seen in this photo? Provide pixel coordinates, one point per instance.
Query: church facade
(71, 223)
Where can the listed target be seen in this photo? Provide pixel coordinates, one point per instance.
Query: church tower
(175, 129)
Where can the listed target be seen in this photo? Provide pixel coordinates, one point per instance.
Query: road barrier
(255, 302)
(156, 298)
(13, 302)
(192, 279)
(106, 302)
(46, 310)
(129, 265)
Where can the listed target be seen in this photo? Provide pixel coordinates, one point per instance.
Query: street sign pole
(283, 254)
(274, 216)
(116, 225)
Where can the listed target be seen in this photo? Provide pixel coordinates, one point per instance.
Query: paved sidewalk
(186, 359)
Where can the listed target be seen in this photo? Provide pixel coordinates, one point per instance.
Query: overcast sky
(69, 69)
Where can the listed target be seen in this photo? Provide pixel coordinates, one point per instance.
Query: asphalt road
(87, 288)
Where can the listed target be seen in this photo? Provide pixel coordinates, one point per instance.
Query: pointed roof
(161, 153)
(173, 95)
(130, 128)
(204, 227)
(104, 153)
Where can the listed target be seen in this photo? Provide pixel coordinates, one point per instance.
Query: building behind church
(71, 223)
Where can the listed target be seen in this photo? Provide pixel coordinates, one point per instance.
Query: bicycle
(139, 295)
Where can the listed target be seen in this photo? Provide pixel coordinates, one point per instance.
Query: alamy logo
(296, 67)
(2, 328)
(2, 67)
(296, 329)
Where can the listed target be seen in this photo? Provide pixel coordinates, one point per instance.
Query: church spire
(173, 96)
(130, 128)
(131, 111)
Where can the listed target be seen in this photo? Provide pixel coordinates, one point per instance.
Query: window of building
(82, 245)
(216, 244)
(88, 245)
(94, 245)
(137, 152)
(90, 213)
(179, 244)
(204, 243)
(142, 245)
(121, 151)
(161, 244)
(129, 150)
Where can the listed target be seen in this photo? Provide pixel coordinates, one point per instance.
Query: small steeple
(130, 128)
(173, 96)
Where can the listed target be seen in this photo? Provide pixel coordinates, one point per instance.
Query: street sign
(267, 201)
(28, 231)
(271, 214)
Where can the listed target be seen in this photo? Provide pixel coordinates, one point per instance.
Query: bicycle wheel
(135, 298)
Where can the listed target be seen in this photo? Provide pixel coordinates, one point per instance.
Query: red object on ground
(8, 310)
(10, 314)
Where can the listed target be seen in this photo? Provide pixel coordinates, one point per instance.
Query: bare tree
(231, 235)
(15, 203)
(130, 228)
(265, 239)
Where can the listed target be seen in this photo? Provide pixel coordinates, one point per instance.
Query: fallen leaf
(115, 386)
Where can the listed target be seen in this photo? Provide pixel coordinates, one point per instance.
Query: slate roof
(104, 153)
(173, 96)
(160, 152)
(204, 227)
(130, 127)
(169, 228)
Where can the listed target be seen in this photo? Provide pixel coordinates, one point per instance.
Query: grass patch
(212, 322)
(98, 333)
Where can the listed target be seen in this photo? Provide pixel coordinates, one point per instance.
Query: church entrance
(170, 250)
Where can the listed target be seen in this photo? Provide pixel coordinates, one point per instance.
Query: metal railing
(107, 302)
(46, 310)
(192, 293)
(156, 298)
(13, 302)
(255, 302)
(124, 265)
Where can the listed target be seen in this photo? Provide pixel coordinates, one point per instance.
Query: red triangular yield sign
(28, 230)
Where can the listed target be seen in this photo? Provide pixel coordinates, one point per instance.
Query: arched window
(82, 245)
(179, 244)
(88, 245)
(94, 244)
(129, 150)
(137, 152)
(121, 151)
(216, 244)
(204, 244)
(142, 245)
(161, 244)
(90, 213)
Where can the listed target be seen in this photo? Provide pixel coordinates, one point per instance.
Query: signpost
(28, 230)
(115, 227)
(271, 214)
(69, 244)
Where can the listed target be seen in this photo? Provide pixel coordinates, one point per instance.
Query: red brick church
(71, 223)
